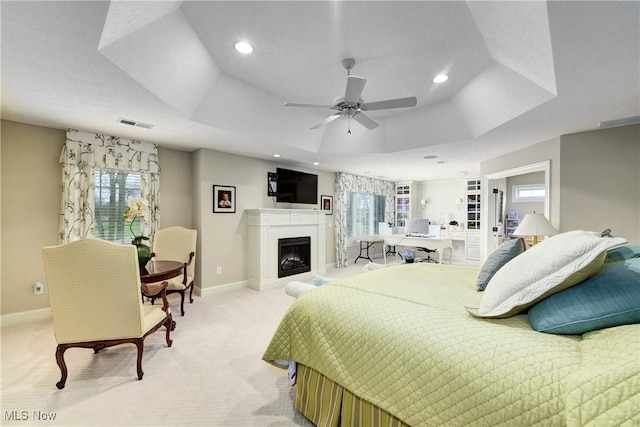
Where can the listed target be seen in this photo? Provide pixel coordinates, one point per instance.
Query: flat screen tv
(297, 187)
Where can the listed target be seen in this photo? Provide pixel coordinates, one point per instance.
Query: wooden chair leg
(191, 294)
(170, 326)
(62, 365)
(140, 344)
(182, 301)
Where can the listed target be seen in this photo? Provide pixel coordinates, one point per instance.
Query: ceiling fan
(351, 105)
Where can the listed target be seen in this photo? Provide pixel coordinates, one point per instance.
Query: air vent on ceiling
(135, 123)
(620, 122)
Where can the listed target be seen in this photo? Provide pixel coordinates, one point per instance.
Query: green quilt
(400, 338)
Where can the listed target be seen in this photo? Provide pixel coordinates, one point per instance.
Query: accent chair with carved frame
(94, 291)
(177, 244)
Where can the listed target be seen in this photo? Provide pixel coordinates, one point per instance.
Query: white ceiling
(520, 73)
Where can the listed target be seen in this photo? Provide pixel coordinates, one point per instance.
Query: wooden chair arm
(152, 291)
(191, 255)
(184, 270)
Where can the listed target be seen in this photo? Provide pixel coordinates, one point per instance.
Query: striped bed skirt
(328, 404)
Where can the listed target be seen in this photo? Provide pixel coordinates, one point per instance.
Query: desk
(440, 243)
(368, 241)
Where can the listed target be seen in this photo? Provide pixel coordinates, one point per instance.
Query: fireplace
(294, 256)
(267, 226)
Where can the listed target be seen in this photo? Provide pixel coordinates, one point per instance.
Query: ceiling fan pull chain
(349, 130)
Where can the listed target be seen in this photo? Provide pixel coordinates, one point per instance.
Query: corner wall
(600, 181)
(547, 150)
(595, 179)
(223, 236)
(31, 182)
(31, 176)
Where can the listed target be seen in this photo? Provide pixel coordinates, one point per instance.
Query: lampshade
(535, 225)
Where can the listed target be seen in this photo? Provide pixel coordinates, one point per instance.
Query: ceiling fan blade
(411, 101)
(355, 85)
(327, 120)
(297, 104)
(365, 120)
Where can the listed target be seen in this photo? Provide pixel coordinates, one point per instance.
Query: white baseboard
(25, 317)
(203, 292)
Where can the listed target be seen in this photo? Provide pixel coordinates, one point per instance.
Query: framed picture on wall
(327, 204)
(272, 184)
(224, 199)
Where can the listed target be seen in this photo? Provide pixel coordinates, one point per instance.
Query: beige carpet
(212, 376)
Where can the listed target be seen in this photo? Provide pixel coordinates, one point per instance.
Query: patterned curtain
(345, 184)
(81, 155)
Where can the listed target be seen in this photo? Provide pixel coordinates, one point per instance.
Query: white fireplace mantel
(266, 226)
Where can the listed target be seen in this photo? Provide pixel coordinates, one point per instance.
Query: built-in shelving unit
(473, 204)
(472, 243)
(403, 204)
(511, 223)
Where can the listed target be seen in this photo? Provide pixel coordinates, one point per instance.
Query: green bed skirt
(328, 404)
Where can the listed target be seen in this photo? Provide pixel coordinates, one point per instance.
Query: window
(528, 193)
(113, 189)
(364, 213)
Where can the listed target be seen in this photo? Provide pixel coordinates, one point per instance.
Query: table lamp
(535, 225)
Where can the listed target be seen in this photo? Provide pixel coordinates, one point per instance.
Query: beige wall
(595, 179)
(224, 235)
(31, 180)
(600, 181)
(523, 208)
(547, 150)
(30, 204)
(176, 192)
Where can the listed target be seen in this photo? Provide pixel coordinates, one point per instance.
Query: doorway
(495, 194)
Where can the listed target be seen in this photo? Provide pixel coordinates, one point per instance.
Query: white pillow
(554, 264)
(295, 288)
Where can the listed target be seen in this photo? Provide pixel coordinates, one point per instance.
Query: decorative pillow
(609, 298)
(320, 280)
(499, 257)
(623, 253)
(295, 288)
(554, 264)
(373, 266)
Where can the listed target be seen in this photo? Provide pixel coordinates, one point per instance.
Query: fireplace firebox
(294, 256)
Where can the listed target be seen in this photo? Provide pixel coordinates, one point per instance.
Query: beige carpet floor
(213, 374)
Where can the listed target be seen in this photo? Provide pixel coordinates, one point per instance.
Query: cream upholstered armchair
(177, 244)
(94, 293)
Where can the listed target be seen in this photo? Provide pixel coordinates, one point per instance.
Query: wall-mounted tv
(297, 187)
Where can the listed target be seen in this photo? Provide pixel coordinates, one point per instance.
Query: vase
(144, 254)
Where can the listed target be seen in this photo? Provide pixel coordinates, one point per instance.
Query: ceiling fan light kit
(352, 105)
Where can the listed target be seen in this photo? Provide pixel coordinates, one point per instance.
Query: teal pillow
(622, 253)
(609, 298)
(499, 257)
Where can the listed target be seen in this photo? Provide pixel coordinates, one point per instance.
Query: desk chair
(94, 294)
(429, 252)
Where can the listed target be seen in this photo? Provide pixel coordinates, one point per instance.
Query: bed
(402, 346)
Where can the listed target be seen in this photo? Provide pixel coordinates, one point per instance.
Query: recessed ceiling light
(440, 78)
(276, 155)
(315, 163)
(430, 157)
(243, 47)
